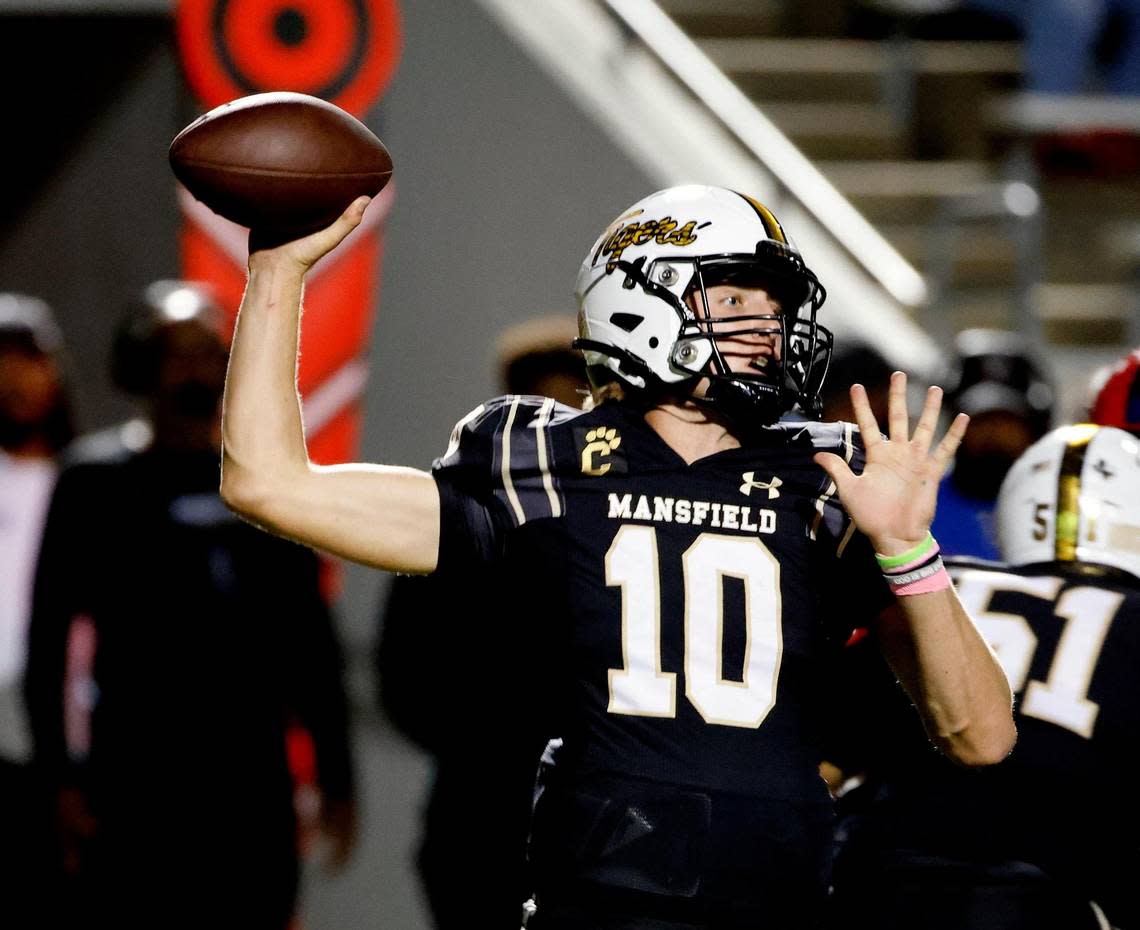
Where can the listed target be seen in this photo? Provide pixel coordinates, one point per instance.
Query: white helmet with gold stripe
(1074, 496)
(636, 286)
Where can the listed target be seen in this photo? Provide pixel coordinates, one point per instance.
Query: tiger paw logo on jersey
(750, 482)
(598, 457)
(665, 231)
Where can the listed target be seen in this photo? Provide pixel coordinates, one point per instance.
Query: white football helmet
(636, 325)
(1074, 495)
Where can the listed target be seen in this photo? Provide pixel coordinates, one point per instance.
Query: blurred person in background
(472, 855)
(1072, 53)
(536, 357)
(177, 808)
(1046, 840)
(1010, 403)
(1068, 46)
(35, 425)
(1078, 49)
(856, 363)
(1076, 46)
(1116, 395)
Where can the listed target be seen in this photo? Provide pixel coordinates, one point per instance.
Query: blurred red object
(1118, 401)
(1100, 153)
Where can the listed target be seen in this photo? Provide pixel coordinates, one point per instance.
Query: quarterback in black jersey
(1048, 838)
(687, 554)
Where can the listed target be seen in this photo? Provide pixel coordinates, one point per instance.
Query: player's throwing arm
(298, 171)
(382, 516)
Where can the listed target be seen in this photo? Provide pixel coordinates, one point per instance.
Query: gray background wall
(501, 187)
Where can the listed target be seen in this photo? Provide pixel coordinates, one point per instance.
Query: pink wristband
(939, 581)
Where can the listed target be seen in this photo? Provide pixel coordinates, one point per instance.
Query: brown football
(279, 161)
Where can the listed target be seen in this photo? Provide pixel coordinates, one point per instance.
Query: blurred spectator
(1116, 401)
(35, 424)
(1076, 46)
(856, 363)
(1081, 64)
(1010, 403)
(534, 357)
(1069, 46)
(210, 637)
(474, 702)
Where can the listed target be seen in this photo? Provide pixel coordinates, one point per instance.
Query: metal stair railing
(794, 174)
(680, 119)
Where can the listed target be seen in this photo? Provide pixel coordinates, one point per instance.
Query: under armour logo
(769, 486)
(1102, 469)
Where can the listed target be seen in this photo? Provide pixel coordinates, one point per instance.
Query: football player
(687, 552)
(1045, 839)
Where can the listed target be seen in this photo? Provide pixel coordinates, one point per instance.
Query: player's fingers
(355, 210)
(924, 429)
(307, 249)
(347, 221)
(864, 418)
(312, 248)
(899, 430)
(837, 469)
(950, 442)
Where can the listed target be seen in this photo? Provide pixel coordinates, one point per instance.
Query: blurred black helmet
(29, 322)
(137, 351)
(28, 327)
(855, 362)
(995, 371)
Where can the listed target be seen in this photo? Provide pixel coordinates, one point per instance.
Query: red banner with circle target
(344, 51)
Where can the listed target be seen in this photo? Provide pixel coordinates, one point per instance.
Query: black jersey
(693, 602)
(1069, 640)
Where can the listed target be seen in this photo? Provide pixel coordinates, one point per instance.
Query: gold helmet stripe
(771, 225)
(1068, 521)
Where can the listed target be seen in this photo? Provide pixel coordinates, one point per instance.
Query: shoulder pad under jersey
(503, 449)
(843, 439)
(840, 437)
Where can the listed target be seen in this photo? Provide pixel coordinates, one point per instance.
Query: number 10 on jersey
(641, 687)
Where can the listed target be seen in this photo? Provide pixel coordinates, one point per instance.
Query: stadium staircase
(930, 139)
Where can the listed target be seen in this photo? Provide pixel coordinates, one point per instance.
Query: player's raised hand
(892, 501)
(266, 246)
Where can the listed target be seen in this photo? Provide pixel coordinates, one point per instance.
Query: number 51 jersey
(688, 604)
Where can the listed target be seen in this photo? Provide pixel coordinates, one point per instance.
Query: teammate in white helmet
(1046, 839)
